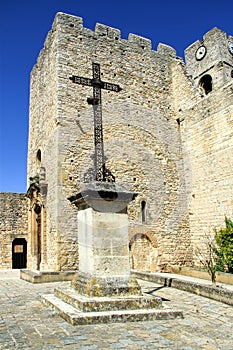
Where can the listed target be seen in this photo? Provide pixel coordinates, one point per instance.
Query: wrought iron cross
(101, 173)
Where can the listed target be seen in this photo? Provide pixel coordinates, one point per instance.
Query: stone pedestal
(103, 290)
(104, 265)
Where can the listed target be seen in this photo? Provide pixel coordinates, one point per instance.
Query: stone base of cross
(104, 261)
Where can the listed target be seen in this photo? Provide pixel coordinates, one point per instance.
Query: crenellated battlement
(103, 31)
(139, 41)
(68, 20)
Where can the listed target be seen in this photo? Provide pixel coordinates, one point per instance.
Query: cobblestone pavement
(25, 323)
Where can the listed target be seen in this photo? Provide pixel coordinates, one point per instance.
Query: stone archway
(19, 253)
(143, 252)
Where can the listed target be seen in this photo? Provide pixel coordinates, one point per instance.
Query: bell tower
(207, 133)
(210, 61)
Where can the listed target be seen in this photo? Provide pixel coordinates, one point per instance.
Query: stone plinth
(104, 266)
(103, 244)
(103, 290)
(94, 304)
(93, 286)
(75, 316)
(78, 309)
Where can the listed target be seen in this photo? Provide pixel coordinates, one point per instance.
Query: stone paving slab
(25, 323)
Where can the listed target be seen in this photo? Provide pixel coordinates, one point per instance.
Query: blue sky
(23, 28)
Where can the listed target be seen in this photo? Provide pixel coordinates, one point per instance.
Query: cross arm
(95, 83)
(81, 80)
(110, 86)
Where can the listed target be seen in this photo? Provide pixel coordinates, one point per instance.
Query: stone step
(90, 304)
(76, 317)
(46, 276)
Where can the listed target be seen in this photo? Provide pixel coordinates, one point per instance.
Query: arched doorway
(19, 253)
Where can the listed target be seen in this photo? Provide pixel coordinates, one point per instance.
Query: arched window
(143, 211)
(205, 83)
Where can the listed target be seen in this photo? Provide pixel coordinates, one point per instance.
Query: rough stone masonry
(167, 136)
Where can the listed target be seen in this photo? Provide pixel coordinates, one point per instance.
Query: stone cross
(101, 173)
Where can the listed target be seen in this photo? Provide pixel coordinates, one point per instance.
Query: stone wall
(13, 224)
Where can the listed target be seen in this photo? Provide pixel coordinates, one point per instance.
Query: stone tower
(206, 132)
(164, 139)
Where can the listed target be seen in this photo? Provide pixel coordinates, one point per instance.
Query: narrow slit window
(38, 159)
(143, 210)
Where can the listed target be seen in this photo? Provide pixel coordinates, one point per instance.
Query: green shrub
(224, 252)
